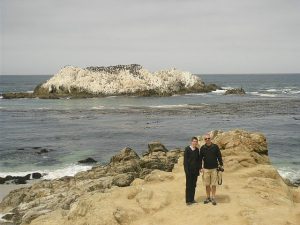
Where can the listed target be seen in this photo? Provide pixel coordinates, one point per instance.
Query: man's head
(194, 142)
(207, 139)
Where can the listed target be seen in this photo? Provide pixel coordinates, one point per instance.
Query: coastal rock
(123, 180)
(133, 79)
(125, 154)
(156, 147)
(240, 148)
(87, 160)
(159, 158)
(15, 179)
(42, 151)
(235, 91)
(36, 175)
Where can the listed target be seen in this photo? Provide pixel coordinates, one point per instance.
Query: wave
(289, 173)
(177, 106)
(272, 90)
(99, 107)
(69, 170)
(219, 91)
(295, 92)
(263, 94)
(193, 94)
(285, 90)
(43, 108)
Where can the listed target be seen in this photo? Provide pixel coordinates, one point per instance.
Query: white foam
(263, 94)
(272, 90)
(2, 220)
(177, 106)
(98, 107)
(290, 173)
(295, 92)
(29, 91)
(69, 170)
(43, 108)
(286, 90)
(219, 91)
(193, 94)
(227, 88)
(169, 106)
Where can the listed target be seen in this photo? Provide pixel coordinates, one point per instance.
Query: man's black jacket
(211, 156)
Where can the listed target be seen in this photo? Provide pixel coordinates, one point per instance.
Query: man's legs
(207, 191)
(214, 188)
(191, 181)
(187, 188)
(193, 188)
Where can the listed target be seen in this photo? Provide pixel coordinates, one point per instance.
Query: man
(211, 156)
(191, 165)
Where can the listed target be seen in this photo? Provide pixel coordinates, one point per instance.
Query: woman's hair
(194, 138)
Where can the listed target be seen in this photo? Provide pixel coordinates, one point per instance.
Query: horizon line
(293, 73)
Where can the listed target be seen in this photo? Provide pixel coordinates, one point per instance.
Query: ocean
(74, 129)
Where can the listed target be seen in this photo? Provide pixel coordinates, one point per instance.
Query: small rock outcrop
(19, 179)
(235, 91)
(87, 161)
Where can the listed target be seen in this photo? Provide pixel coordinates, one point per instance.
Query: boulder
(42, 151)
(125, 154)
(123, 180)
(36, 175)
(235, 91)
(2, 180)
(156, 147)
(87, 160)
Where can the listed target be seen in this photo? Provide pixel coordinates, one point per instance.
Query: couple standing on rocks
(208, 161)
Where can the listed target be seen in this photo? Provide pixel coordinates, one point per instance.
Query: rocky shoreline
(150, 190)
(120, 80)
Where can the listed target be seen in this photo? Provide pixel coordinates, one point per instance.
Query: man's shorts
(210, 177)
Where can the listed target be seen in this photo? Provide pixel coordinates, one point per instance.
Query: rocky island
(133, 79)
(150, 190)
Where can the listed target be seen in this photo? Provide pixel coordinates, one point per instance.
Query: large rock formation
(253, 193)
(131, 79)
(28, 203)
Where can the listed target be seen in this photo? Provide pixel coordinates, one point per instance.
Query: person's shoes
(206, 201)
(213, 201)
(194, 202)
(189, 203)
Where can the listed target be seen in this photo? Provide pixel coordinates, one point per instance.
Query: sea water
(73, 129)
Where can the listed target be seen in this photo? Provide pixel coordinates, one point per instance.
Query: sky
(200, 36)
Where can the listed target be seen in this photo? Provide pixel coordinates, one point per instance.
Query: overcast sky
(201, 36)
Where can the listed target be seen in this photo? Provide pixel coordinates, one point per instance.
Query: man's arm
(219, 156)
(201, 158)
(186, 160)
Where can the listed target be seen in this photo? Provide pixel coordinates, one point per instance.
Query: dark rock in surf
(235, 91)
(87, 161)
